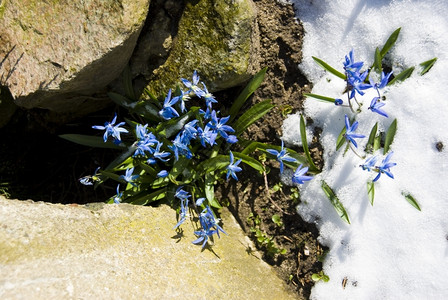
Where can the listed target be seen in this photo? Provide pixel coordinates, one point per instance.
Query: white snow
(391, 250)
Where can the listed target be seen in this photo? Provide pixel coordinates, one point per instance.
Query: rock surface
(55, 52)
(50, 251)
(219, 39)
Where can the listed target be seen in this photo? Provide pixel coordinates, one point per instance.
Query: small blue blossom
(160, 155)
(350, 66)
(338, 102)
(350, 134)
(128, 177)
(181, 194)
(281, 156)
(112, 130)
(179, 148)
(145, 141)
(218, 125)
(385, 167)
(375, 106)
(369, 163)
(183, 211)
(189, 132)
(193, 85)
(209, 226)
(162, 174)
(209, 98)
(168, 112)
(118, 197)
(207, 114)
(299, 175)
(206, 136)
(232, 139)
(356, 84)
(200, 201)
(232, 168)
(183, 97)
(383, 81)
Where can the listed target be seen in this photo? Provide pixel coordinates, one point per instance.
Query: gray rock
(219, 39)
(54, 53)
(50, 251)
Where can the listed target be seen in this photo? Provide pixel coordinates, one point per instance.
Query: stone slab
(105, 251)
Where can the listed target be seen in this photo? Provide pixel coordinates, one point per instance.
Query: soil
(37, 164)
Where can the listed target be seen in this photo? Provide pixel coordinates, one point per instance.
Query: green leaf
(214, 163)
(305, 143)
(377, 143)
(335, 202)
(127, 83)
(209, 190)
(390, 136)
(147, 110)
(402, 76)
(121, 158)
(90, 141)
(329, 68)
(245, 94)
(251, 116)
(316, 277)
(427, 65)
(121, 100)
(144, 197)
(378, 61)
(252, 162)
(148, 169)
(371, 191)
(253, 146)
(173, 126)
(323, 98)
(411, 200)
(390, 42)
(372, 135)
(179, 166)
(341, 139)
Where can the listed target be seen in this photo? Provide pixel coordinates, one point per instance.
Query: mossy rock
(219, 39)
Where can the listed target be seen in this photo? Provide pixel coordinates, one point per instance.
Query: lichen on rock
(219, 39)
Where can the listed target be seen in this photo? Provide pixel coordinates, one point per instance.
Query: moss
(214, 38)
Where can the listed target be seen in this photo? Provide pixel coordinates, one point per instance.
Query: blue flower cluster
(356, 84)
(384, 167)
(155, 152)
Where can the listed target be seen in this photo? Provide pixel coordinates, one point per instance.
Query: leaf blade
(329, 68)
(334, 200)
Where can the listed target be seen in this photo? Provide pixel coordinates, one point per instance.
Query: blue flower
(370, 163)
(299, 176)
(182, 99)
(218, 125)
(118, 197)
(189, 132)
(385, 167)
(232, 168)
(209, 226)
(232, 139)
(181, 194)
(145, 141)
(112, 130)
(193, 85)
(281, 156)
(350, 66)
(162, 174)
(200, 201)
(207, 114)
(128, 177)
(179, 148)
(350, 134)
(383, 81)
(206, 136)
(167, 112)
(338, 102)
(356, 84)
(160, 155)
(209, 98)
(375, 106)
(183, 209)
